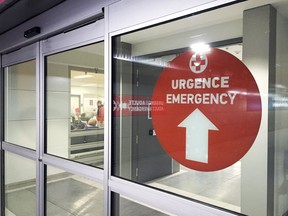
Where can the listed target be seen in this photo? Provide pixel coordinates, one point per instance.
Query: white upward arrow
(197, 126)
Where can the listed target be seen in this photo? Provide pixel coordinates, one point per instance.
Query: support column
(123, 124)
(259, 43)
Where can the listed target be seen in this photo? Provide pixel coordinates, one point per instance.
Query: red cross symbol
(198, 63)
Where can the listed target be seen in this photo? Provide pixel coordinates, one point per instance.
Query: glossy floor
(71, 196)
(75, 195)
(221, 188)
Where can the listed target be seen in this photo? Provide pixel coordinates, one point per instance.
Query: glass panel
(69, 194)
(20, 189)
(172, 130)
(139, 147)
(123, 206)
(75, 109)
(20, 104)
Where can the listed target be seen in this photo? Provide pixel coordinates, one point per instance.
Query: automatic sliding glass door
(73, 122)
(20, 131)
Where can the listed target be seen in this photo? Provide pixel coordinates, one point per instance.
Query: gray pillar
(123, 124)
(259, 42)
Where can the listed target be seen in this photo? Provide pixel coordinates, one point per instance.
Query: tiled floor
(72, 196)
(221, 188)
(65, 197)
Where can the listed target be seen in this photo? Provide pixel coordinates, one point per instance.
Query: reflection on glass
(69, 194)
(127, 207)
(75, 108)
(20, 104)
(20, 189)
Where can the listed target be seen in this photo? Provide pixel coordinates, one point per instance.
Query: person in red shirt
(100, 113)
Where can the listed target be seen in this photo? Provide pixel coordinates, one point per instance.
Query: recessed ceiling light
(200, 48)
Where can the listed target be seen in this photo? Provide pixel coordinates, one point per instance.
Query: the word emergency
(201, 98)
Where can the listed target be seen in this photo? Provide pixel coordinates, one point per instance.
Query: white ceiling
(216, 25)
(87, 79)
(208, 19)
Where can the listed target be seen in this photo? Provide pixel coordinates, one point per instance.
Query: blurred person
(100, 113)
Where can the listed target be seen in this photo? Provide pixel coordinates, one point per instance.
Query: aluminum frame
(165, 201)
(82, 36)
(40, 187)
(107, 115)
(86, 35)
(2, 179)
(19, 150)
(24, 54)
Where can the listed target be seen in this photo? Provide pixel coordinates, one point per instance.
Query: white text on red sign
(201, 98)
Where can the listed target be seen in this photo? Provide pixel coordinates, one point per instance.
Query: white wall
(18, 169)
(58, 109)
(94, 93)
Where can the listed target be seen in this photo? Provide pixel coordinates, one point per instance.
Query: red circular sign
(206, 110)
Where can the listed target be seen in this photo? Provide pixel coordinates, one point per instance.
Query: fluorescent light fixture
(200, 48)
(82, 76)
(89, 84)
